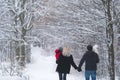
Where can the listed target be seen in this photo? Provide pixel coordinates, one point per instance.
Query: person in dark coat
(91, 59)
(64, 63)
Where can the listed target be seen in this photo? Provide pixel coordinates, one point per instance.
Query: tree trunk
(110, 40)
(20, 51)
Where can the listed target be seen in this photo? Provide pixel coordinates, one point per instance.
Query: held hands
(79, 69)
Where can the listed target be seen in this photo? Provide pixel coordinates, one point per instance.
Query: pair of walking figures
(65, 60)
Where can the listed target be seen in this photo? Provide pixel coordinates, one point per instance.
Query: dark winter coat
(91, 59)
(64, 64)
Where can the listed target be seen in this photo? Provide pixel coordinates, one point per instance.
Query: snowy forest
(44, 25)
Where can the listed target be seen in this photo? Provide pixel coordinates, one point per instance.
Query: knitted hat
(89, 47)
(60, 49)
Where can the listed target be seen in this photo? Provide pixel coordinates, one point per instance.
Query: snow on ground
(10, 78)
(43, 67)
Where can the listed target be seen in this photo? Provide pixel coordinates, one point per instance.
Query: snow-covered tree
(112, 19)
(16, 25)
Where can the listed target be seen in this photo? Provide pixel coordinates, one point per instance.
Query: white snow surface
(43, 68)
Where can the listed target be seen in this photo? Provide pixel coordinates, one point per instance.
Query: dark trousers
(62, 76)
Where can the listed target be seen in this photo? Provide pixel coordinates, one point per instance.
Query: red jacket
(58, 53)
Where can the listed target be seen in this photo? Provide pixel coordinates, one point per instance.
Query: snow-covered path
(43, 68)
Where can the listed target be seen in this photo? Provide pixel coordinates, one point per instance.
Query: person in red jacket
(58, 52)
